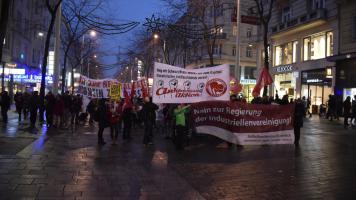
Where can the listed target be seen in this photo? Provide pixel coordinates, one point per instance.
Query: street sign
(250, 20)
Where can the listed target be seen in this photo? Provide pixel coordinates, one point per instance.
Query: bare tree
(264, 11)
(204, 17)
(73, 11)
(4, 18)
(52, 7)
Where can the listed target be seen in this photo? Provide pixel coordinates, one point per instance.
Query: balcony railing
(319, 14)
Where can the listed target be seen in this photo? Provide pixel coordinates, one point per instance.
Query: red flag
(264, 80)
(144, 88)
(133, 90)
(126, 86)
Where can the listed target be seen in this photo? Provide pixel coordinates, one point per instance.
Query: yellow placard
(115, 91)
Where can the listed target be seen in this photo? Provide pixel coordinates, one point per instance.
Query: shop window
(306, 49)
(295, 47)
(318, 46)
(284, 54)
(250, 72)
(329, 44)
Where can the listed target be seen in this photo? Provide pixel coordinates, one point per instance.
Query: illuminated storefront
(248, 85)
(300, 66)
(24, 78)
(317, 86)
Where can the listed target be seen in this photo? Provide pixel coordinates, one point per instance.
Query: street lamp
(155, 36)
(92, 33)
(40, 34)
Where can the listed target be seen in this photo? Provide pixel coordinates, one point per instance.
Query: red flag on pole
(264, 80)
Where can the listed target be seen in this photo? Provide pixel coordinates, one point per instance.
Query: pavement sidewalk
(68, 164)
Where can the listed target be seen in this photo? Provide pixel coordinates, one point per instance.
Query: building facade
(302, 37)
(24, 44)
(345, 58)
(224, 50)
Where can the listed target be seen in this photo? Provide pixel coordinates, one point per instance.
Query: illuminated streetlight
(155, 36)
(92, 33)
(40, 34)
(95, 56)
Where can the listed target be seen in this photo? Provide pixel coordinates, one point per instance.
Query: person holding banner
(179, 114)
(149, 118)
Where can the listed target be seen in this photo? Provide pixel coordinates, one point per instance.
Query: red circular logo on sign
(216, 87)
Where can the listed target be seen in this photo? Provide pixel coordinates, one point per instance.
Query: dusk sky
(132, 10)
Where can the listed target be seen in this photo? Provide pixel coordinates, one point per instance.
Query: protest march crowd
(267, 120)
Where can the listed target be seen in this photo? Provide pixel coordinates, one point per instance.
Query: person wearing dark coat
(354, 109)
(149, 118)
(5, 105)
(34, 104)
(127, 118)
(347, 111)
(102, 120)
(50, 103)
(91, 110)
(19, 101)
(298, 119)
(26, 104)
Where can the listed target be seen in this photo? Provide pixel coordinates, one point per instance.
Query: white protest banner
(177, 85)
(95, 88)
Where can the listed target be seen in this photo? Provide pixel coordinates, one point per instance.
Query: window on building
(234, 50)
(219, 10)
(248, 52)
(295, 48)
(318, 4)
(248, 32)
(234, 30)
(306, 49)
(250, 72)
(318, 46)
(354, 28)
(286, 14)
(217, 49)
(329, 44)
(284, 54)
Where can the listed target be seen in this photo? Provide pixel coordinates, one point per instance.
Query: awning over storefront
(341, 57)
